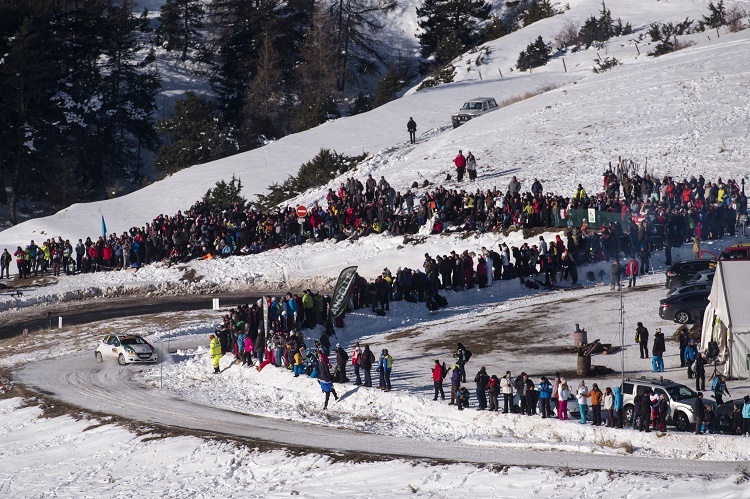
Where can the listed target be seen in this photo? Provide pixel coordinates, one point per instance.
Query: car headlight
(130, 351)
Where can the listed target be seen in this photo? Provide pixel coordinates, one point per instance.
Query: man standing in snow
(411, 126)
(385, 366)
(641, 337)
(214, 349)
(506, 387)
(460, 163)
(327, 387)
(481, 379)
(438, 374)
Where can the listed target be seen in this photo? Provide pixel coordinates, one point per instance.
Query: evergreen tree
(717, 15)
(535, 55)
(265, 113)
(224, 195)
(439, 19)
(388, 86)
(538, 10)
(602, 28)
(181, 22)
(316, 75)
(195, 135)
(128, 88)
(356, 24)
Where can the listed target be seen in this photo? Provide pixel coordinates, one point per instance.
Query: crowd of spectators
(636, 215)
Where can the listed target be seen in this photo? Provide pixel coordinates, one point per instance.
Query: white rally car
(126, 348)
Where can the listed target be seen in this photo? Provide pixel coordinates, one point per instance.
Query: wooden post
(717, 32)
(675, 43)
(564, 66)
(480, 75)
(637, 49)
(501, 73)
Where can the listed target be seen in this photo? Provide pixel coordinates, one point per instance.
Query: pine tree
(535, 55)
(181, 22)
(128, 88)
(195, 135)
(388, 86)
(439, 19)
(356, 24)
(316, 75)
(538, 10)
(224, 195)
(265, 113)
(241, 26)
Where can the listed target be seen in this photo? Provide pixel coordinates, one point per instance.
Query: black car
(724, 415)
(685, 307)
(682, 271)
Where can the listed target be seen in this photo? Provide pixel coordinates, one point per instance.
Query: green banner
(341, 293)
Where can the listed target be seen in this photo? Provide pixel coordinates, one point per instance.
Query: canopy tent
(727, 317)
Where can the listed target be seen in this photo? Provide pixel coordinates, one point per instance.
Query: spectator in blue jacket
(746, 416)
(691, 353)
(545, 392)
(617, 406)
(384, 366)
(328, 389)
(455, 384)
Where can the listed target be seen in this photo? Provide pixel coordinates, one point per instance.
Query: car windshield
(472, 105)
(133, 340)
(681, 393)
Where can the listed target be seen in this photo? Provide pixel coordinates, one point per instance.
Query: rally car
(126, 348)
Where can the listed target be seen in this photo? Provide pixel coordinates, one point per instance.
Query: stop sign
(301, 211)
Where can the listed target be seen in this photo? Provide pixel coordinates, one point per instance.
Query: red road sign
(301, 211)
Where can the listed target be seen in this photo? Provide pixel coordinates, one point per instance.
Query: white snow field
(685, 113)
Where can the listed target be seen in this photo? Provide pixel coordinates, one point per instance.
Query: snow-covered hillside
(684, 112)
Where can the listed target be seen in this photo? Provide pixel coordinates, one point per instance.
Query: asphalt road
(83, 312)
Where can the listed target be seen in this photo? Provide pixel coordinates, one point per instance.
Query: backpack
(715, 383)
(467, 354)
(713, 349)
(444, 370)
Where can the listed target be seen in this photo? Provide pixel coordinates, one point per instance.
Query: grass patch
(190, 276)
(614, 444)
(526, 95)
(404, 334)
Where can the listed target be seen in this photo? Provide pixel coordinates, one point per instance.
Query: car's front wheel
(121, 360)
(681, 421)
(99, 357)
(682, 317)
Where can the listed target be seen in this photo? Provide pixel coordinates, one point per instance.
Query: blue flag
(104, 227)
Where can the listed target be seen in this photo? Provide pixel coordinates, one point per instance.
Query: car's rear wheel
(682, 317)
(121, 360)
(681, 421)
(99, 357)
(628, 414)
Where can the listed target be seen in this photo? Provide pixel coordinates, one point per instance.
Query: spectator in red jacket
(460, 163)
(438, 374)
(631, 270)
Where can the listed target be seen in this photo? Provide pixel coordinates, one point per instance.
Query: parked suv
(472, 109)
(682, 271)
(680, 398)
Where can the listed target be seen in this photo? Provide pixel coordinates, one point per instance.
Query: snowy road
(108, 388)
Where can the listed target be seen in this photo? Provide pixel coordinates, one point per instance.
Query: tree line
(78, 83)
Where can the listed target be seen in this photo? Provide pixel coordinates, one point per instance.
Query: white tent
(727, 317)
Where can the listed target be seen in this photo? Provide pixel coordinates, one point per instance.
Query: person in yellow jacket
(215, 351)
(580, 193)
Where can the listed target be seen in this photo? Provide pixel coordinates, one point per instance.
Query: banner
(104, 228)
(341, 293)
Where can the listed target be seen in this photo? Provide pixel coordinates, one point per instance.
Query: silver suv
(680, 398)
(472, 109)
